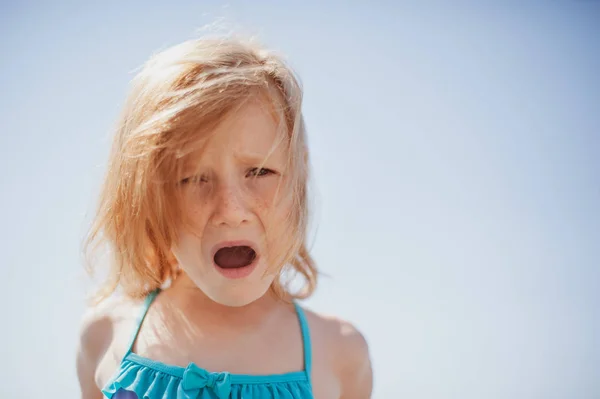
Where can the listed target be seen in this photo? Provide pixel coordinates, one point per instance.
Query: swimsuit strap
(146, 305)
(305, 339)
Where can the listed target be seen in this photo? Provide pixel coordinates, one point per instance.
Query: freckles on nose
(230, 197)
(231, 203)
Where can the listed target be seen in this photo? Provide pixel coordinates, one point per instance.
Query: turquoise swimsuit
(142, 378)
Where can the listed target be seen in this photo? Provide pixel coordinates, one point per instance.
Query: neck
(199, 309)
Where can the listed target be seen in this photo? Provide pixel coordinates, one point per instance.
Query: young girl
(204, 207)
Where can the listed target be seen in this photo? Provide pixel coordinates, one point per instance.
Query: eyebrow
(245, 157)
(249, 157)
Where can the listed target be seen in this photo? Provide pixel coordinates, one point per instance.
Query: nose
(230, 209)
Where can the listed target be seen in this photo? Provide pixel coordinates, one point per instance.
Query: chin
(234, 302)
(239, 295)
(237, 301)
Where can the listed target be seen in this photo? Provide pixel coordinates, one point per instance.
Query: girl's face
(237, 198)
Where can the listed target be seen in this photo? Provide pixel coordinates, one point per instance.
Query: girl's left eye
(257, 172)
(194, 179)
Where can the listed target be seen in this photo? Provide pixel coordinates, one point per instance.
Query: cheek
(272, 199)
(274, 192)
(195, 214)
(278, 220)
(265, 189)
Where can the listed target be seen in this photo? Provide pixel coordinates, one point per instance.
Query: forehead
(251, 132)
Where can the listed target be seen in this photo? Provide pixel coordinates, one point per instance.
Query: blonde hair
(179, 96)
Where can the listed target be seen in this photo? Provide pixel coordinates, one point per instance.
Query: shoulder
(98, 323)
(97, 334)
(349, 353)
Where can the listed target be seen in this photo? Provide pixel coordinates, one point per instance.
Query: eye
(257, 172)
(194, 179)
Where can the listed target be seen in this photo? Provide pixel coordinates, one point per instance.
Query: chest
(266, 352)
(275, 348)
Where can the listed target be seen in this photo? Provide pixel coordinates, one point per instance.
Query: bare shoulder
(97, 332)
(349, 353)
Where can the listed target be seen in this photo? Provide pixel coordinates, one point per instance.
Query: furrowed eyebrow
(249, 158)
(252, 158)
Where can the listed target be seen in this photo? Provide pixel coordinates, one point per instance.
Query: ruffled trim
(145, 382)
(161, 382)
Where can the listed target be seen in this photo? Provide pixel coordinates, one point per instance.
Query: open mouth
(234, 257)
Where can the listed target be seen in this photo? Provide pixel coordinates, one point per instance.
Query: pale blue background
(456, 155)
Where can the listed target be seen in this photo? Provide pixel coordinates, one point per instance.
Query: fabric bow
(195, 378)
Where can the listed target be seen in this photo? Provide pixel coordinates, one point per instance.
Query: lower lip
(237, 272)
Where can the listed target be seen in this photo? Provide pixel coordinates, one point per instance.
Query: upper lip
(236, 243)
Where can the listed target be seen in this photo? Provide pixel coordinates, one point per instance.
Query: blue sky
(457, 179)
